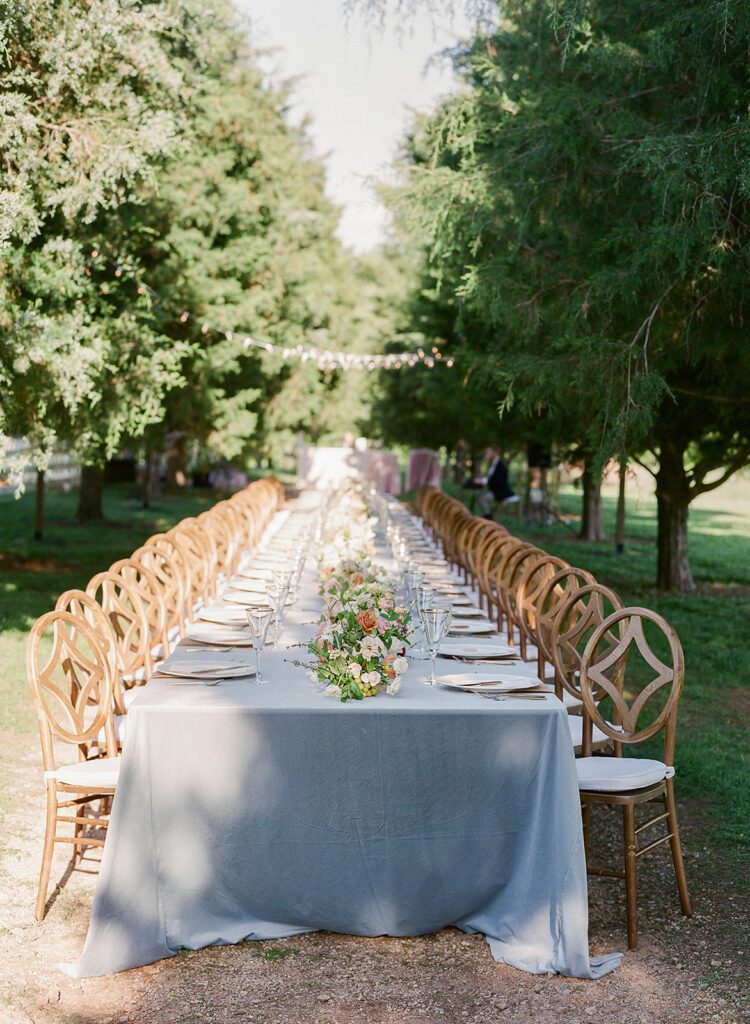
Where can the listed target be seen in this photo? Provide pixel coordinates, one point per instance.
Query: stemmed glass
(422, 597)
(259, 619)
(278, 591)
(435, 622)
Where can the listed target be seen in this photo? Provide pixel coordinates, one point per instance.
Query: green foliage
(144, 137)
(585, 202)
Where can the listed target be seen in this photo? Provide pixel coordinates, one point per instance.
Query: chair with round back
(494, 554)
(507, 580)
(199, 558)
(630, 781)
(128, 620)
(202, 542)
(577, 617)
(556, 591)
(476, 543)
(161, 555)
(72, 690)
(531, 586)
(144, 580)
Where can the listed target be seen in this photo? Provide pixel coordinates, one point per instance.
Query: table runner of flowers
(363, 633)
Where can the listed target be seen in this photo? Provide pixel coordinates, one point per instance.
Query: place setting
(209, 668)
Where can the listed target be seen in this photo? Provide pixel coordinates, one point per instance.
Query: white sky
(357, 82)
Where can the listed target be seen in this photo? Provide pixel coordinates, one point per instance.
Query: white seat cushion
(101, 772)
(134, 677)
(618, 774)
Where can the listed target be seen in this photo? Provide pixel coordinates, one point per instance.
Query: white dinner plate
(472, 628)
(475, 649)
(467, 612)
(490, 682)
(249, 586)
(213, 633)
(449, 589)
(254, 573)
(245, 597)
(224, 614)
(199, 668)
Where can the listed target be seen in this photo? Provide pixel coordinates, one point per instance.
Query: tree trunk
(592, 522)
(39, 505)
(151, 489)
(176, 461)
(620, 521)
(673, 502)
(90, 494)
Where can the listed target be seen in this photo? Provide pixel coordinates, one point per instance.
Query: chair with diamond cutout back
(628, 782)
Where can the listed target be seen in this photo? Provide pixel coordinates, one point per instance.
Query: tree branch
(634, 458)
(572, 281)
(733, 466)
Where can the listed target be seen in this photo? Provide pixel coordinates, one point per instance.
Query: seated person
(496, 484)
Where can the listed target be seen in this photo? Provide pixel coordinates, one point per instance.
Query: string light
(324, 359)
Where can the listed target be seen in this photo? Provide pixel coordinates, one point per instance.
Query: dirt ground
(685, 972)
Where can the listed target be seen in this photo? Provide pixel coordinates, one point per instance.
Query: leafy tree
(586, 197)
(92, 104)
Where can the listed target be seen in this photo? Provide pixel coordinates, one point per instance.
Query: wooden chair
(128, 620)
(200, 557)
(144, 580)
(507, 580)
(556, 591)
(81, 605)
(630, 781)
(531, 586)
(577, 618)
(489, 570)
(72, 690)
(168, 563)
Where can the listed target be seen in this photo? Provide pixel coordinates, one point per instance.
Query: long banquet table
(255, 812)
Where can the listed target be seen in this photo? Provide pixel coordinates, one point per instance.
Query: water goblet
(435, 622)
(259, 619)
(278, 590)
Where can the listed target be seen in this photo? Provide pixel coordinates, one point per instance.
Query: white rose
(355, 670)
(394, 686)
(332, 690)
(371, 678)
(400, 666)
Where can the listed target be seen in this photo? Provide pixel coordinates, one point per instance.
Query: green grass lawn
(713, 745)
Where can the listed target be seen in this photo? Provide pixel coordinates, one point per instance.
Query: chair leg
(50, 829)
(679, 867)
(631, 894)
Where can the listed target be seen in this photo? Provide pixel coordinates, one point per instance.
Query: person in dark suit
(496, 484)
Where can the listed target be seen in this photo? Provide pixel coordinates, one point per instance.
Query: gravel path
(685, 972)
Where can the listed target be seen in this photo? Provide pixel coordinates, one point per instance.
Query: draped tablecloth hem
(80, 969)
(501, 952)
(597, 966)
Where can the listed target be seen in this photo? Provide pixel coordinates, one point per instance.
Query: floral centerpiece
(361, 640)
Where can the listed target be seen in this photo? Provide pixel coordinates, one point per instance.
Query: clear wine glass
(435, 622)
(259, 619)
(278, 591)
